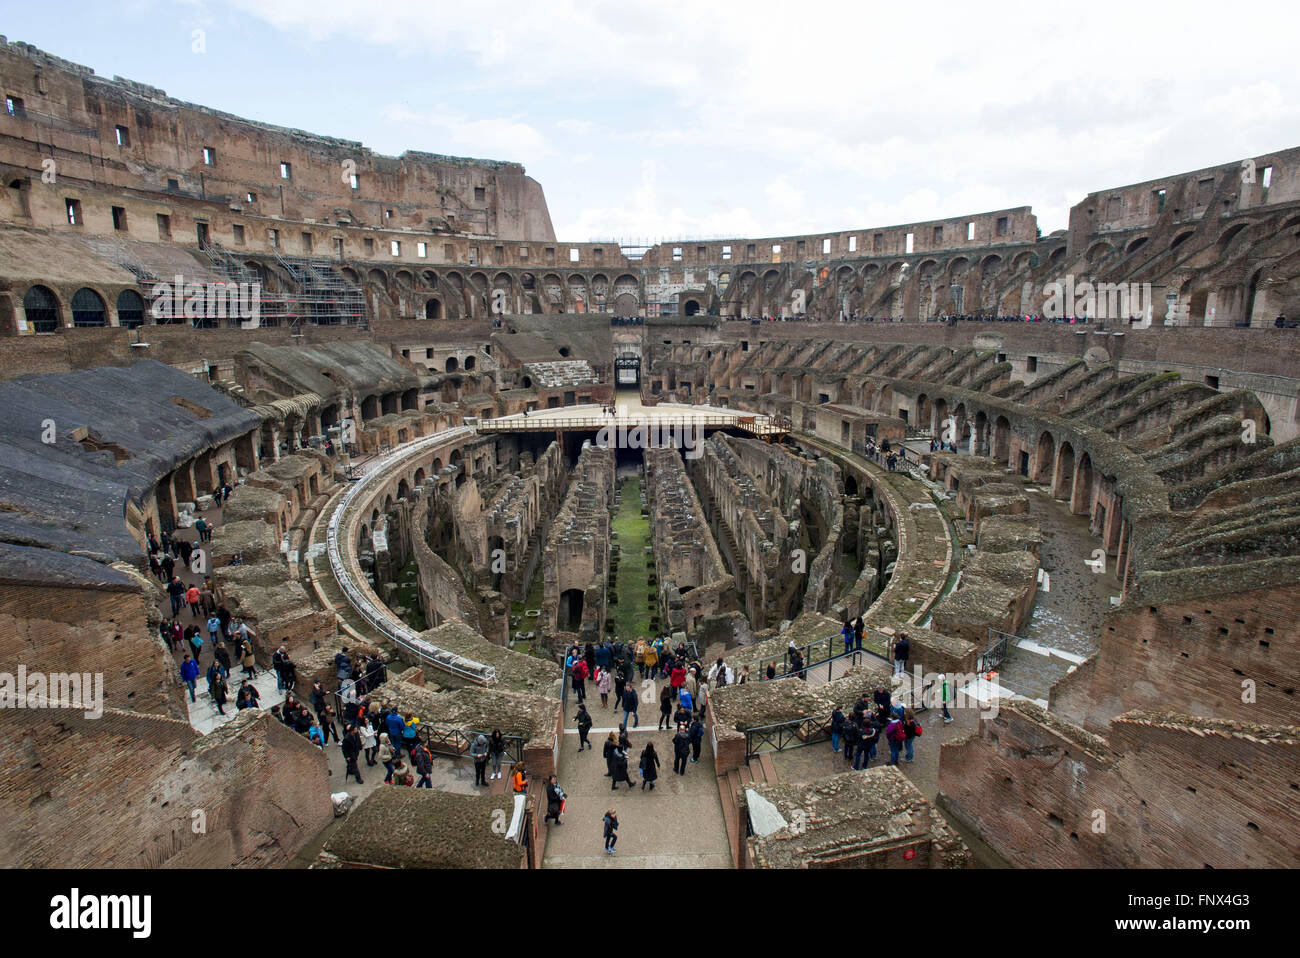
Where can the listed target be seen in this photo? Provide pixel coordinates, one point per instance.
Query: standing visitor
(584, 726)
(681, 749)
(630, 701)
(479, 753)
(603, 683)
(190, 675)
(665, 707)
(497, 748)
(386, 756)
(911, 731)
(554, 801)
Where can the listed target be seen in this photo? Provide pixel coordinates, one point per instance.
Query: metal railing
(995, 654)
(364, 600)
(818, 652)
(455, 742)
(780, 736)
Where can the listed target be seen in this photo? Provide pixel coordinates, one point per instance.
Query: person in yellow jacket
(651, 661)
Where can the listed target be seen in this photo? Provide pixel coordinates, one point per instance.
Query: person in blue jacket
(190, 674)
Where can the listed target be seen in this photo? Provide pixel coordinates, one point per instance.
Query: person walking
(214, 629)
(681, 749)
(351, 751)
(610, 747)
(911, 732)
(217, 688)
(190, 675)
(192, 600)
(945, 696)
(697, 738)
(249, 659)
(423, 765)
(386, 756)
(665, 707)
(579, 675)
(610, 823)
(479, 753)
(584, 726)
(554, 801)
(620, 770)
(630, 701)
(649, 766)
(496, 749)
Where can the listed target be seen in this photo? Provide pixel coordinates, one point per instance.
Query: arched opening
(432, 308)
(691, 307)
(42, 309)
(88, 309)
(1045, 458)
(568, 616)
(1081, 495)
(981, 434)
(1063, 483)
(497, 560)
(370, 408)
(130, 309)
(1001, 439)
(403, 490)
(452, 364)
(923, 412)
(469, 363)
(850, 484)
(1136, 245)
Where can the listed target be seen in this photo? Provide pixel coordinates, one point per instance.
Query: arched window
(130, 309)
(88, 309)
(42, 309)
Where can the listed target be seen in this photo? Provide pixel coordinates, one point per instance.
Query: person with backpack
(681, 749)
(554, 801)
(496, 748)
(687, 702)
(912, 731)
(649, 766)
(867, 744)
(423, 764)
(697, 738)
(610, 823)
(896, 736)
(584, 726)
(852, 732)
(579, 676)
(837, 727)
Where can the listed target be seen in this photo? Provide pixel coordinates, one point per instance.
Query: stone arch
(1081, 491)
(42, 309)
(1056, 256)
(1097, 252)
(1181, 238)
(378, 277)
(429, 278)
(1001, 439)
(405, 278)
(1044, 459)
(433, 308)
(1136, 245)
(403, 489)
(452, 364)
(1063, 478)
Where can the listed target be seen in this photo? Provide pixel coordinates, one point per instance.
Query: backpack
(895, 731)
(916, 729)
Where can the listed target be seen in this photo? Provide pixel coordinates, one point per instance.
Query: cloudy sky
(712, 118)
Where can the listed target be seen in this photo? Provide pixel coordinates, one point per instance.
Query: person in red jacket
(677, 680)
(579, 673)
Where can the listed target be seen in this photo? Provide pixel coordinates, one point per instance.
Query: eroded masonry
(1087, 529)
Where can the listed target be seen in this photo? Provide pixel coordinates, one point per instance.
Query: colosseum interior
(420, 428)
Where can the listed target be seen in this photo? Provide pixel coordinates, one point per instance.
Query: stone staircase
(759, 770)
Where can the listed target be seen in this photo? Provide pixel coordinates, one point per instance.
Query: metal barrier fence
(816, 653)
(756, 424)
(999, 646)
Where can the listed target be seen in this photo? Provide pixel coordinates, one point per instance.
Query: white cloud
(831, 112)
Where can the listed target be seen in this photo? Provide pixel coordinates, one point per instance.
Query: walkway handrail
(750, 422)
(364, 600)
